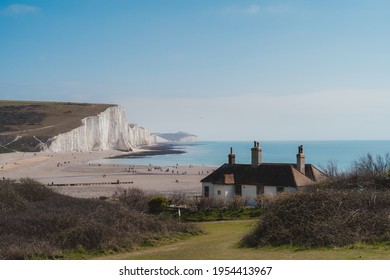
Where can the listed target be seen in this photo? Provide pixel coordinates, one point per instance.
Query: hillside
(29, 118)
(24, 124)
(176, 137)
(64, 126)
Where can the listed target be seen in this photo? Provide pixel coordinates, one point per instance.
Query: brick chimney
(232, 157)
(301, 160)
(256, 154)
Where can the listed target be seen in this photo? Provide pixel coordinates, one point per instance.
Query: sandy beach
(75, 174)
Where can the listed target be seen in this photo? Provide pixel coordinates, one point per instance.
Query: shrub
(180, 199)
(324, 218)
(263, 200)
(36, 222)
(368, 165)
(158, 205)
(88, 234)
(205, 204)
(237, 202)
(9, 199)
(134, 199)
(32, 190)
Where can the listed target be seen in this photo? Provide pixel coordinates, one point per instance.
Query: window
(219, 192)
(279, 189)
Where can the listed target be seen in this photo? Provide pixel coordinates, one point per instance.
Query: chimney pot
(231, 157)
(256, 154)
(301, 160)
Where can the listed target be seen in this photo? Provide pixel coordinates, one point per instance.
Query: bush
(263, 200)
(9, 199)
(205, 204)
(88, 235)
(324, 218)
(237, 202)
(32, 190)
(158, 205)
(180, 199)
(36, 222)
(134, 199)
(368, 165)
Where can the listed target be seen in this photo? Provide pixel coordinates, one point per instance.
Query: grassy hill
(23, 124)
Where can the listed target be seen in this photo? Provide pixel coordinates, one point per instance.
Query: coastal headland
(60, 144)
(152, 150)
(80, 174)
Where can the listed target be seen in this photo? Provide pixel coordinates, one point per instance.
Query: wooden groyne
(89, 184)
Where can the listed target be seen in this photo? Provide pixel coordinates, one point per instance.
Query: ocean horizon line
(286, 140)
(215, 153)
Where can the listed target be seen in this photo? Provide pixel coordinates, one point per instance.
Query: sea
(215, 153)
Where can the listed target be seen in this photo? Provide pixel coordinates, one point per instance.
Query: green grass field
(221, 242)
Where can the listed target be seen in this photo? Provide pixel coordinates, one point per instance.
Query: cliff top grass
(45, 119)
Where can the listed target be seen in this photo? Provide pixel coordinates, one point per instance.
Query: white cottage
(249, 180)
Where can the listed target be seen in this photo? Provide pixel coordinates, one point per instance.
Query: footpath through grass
(221, 243)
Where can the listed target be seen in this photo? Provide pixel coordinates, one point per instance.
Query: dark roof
(267, 174)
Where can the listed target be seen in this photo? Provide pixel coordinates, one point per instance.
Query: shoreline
(153, 150)
(75, 174)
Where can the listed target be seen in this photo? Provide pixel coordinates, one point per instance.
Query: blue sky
(224, 70)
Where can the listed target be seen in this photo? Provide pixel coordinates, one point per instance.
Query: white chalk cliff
(109, 130)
